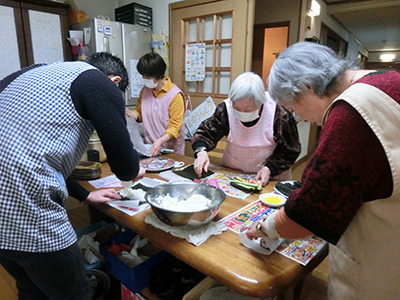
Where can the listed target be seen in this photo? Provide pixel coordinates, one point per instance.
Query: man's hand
(103, 196)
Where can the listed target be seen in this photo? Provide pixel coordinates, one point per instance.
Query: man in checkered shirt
(47, 114)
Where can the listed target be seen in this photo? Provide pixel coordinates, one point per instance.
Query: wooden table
(222, 256)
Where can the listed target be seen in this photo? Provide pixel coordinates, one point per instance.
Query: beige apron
(365, 263)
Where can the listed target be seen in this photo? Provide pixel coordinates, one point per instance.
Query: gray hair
(306, 65)
(248, 85)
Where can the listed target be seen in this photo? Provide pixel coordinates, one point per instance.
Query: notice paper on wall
(136, 79)
(195, 65)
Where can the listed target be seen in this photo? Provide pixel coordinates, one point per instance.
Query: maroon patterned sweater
(348, 168)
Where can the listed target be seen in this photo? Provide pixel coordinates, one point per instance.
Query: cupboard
(32, 31)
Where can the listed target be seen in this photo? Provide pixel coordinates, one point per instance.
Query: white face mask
(246, 116)
(149, 83)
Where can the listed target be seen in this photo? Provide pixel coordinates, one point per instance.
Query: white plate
(272, 199)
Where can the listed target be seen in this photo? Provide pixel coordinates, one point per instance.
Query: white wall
(93, 8)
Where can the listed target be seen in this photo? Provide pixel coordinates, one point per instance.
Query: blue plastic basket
(137, 278)
(89, 229)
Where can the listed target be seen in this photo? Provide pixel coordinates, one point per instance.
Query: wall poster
(195, 66)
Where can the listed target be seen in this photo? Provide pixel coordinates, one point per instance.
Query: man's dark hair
(110, 65)
(152, 65)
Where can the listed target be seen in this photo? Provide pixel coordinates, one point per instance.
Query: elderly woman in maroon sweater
(350, 193)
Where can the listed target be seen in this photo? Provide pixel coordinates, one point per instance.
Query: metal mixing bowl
(189, 219)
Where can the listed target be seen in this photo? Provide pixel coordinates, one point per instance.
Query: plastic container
(137, 278)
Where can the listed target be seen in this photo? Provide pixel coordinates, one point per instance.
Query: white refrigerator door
(108, 37)
(136, 41)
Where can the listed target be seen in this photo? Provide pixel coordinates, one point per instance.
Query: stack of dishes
(87, 170)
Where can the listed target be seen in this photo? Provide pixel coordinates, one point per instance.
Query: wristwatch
(259, 226)
(199, 149)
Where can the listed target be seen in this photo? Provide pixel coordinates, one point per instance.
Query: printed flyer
(301, 250)
(246, 216)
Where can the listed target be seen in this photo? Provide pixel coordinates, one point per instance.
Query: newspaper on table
(299, 250)
(221, 180)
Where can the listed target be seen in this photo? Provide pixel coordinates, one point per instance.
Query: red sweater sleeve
(348, 168)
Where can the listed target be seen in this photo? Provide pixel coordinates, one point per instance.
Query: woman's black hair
(152, 65)
(110, 65)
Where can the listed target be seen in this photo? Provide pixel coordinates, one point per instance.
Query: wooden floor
(315, 285)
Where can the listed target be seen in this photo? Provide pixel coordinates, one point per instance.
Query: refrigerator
(126, 41)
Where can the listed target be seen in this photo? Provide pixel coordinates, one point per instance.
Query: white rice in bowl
(195, 202)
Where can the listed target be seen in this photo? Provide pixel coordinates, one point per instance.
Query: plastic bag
(136, 138)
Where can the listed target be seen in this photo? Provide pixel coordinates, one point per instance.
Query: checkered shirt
(42, 139)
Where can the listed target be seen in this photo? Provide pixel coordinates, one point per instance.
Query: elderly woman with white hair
(262, 136)
(350, 194)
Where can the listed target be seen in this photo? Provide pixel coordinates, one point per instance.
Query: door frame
(240, 60)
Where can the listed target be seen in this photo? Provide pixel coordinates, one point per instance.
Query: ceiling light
(313, 8)
(387, 57)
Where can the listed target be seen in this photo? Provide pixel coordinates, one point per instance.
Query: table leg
(280, 296)
(297, 290)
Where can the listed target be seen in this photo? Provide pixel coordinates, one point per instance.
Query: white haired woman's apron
(248, 148)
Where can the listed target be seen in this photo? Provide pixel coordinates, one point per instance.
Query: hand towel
(195, 236)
